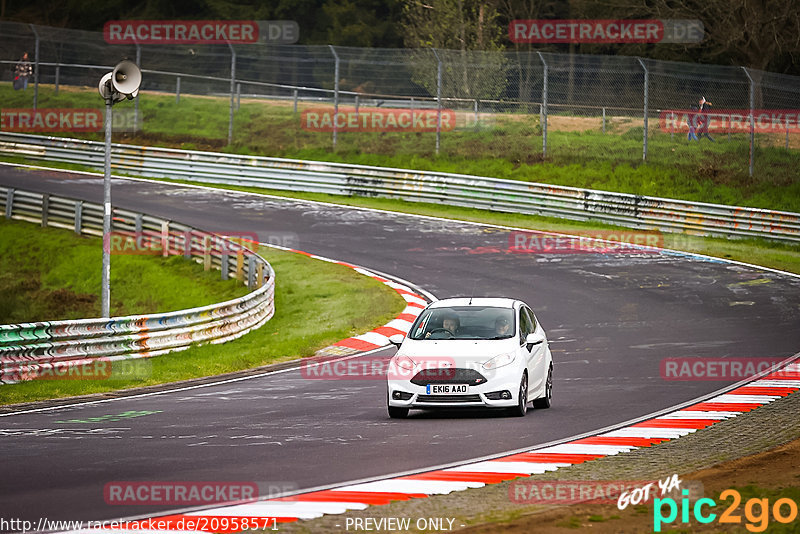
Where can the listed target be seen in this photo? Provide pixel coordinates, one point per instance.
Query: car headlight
(499, 361)
(405, 362)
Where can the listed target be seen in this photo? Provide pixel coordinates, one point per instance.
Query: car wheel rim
(523, 393)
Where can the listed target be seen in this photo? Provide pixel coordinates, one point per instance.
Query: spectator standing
(22, 72)
(705, 107)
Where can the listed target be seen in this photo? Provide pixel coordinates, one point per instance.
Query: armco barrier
(452, 189)
(30, 350)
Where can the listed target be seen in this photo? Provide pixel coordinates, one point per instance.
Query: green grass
(345, 304)
(509, 148)
(52, 274)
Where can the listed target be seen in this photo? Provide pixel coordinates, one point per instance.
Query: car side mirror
(396, 339)
(533, 339)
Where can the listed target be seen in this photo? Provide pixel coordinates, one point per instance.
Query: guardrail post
(206, 253)
(604, 120)
(544, 105)
(187, 245)
(178, 90)
(233, 90)
(295, 101)
(223, 265)
(35, 68)
(58, 75)
(646, 95)
(752, 118)
(45, 208)
(136, 100)
(164, 239)
(438, 100)
(251, 271)
(335, 94)
(78, 216)
(259, 275)
(9, 202)
(239, 264)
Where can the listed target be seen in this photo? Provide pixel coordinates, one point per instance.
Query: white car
(471, 353)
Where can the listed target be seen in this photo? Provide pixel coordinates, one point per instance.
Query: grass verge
(52, 274)
(509, 147)
(345, 303)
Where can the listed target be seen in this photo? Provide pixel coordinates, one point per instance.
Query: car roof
(499, 302)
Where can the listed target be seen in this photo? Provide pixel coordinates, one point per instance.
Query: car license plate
(446, 389)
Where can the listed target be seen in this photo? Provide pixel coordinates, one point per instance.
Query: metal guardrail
(56, 348)
(452, 189)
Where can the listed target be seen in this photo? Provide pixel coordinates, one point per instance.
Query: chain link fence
(521, 106)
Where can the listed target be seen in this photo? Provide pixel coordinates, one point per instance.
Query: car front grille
(448, 375)
(448, 398)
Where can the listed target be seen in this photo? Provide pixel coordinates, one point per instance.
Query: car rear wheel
(522, 399)
(398, 413)
(544, 402)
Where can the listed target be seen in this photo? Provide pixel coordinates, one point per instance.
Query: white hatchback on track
(471, 353)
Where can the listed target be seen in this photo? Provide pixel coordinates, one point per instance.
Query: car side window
(532, 318)
(525, 325)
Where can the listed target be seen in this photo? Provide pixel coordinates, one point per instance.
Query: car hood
(455, 352)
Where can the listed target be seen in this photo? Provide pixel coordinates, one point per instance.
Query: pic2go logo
(756, 511)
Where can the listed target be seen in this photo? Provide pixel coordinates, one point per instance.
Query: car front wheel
(522, 399)
(398, 413)
(544, 402)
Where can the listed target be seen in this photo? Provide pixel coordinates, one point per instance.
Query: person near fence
(704, 106)
(692, 121)
(22, 72)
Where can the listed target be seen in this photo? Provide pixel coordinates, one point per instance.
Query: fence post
(356, 108)
(178, 90)
(672, 126)
(752, 119)
(787, 138)
(238, 96)
(35, 68)
(476, 113)
(78, 216)
(136, 100)
(295, 101)
(438, 100)
(335, 93)
(9, 202)
(58, 75)
(544, 106)
(646, 95)
(233, 90)
(223, 267)
(604, 120)
(45, 209)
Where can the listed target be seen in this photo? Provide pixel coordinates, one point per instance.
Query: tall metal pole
(233, 93)
(335, 94)
(106, 283)
(136, 100)
(752, 118)
(438, 100)
(646, 95)
(544, 106)
(35, 68)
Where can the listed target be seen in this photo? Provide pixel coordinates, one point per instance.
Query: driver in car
(449, 323)
(502, 326)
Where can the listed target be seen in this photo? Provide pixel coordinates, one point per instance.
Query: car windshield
(465, 322)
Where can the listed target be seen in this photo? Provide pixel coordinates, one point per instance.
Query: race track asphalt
(611, 319)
